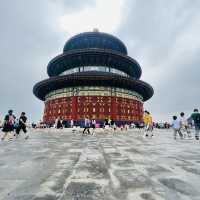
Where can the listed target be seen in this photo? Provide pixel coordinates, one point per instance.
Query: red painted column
(45, 114)
(74, 108)
(113, 108)
(141, 111)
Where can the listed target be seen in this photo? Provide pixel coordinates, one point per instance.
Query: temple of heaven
(94, 77)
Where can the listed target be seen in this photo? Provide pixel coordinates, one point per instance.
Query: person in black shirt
(196, 119)
(22, 124)
(58, 123)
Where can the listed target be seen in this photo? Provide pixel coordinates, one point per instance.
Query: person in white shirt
(1, 122)
(184, 126)
(93, 126)
(72, 123)
(87, 126)
(176, 125)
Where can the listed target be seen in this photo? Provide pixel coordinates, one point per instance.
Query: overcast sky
(163, 36)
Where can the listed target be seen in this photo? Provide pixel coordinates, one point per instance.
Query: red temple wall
(97, 107)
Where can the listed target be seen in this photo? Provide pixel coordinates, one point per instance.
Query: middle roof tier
(76, 59)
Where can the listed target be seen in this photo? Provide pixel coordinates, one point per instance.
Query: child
(184, 125)
(176, 125)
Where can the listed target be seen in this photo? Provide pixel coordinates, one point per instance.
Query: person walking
(196, 119)
(22, 125)
(148, 123)
(113, 125)
(145, 120)
(8, 124)
(87, 126)
(71, 123)
(93, 124)
(176, 125)
(184, 126)
(106, 125)
(58, 123)
(1, 123)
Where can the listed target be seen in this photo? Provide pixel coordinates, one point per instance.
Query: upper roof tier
(98, 40)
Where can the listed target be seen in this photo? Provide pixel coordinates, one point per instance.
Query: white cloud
(104, 15)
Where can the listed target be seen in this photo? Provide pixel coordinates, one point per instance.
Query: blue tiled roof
(95, 40)
(93, 57)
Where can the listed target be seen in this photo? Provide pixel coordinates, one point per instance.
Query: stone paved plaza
(68, 166)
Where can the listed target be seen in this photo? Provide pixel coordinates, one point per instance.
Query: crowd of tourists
(12, 126)
(89, 125)
(181, 125)
(110, 126)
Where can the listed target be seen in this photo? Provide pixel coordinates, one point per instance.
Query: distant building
(93, 77)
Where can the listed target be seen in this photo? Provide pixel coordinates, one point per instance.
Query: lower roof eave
(42, 88)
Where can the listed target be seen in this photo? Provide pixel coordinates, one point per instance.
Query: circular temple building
(94, 77)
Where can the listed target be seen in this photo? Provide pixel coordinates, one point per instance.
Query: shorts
(8, 128)
(21, 127)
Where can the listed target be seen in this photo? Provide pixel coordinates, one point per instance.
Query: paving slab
(65, 165)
